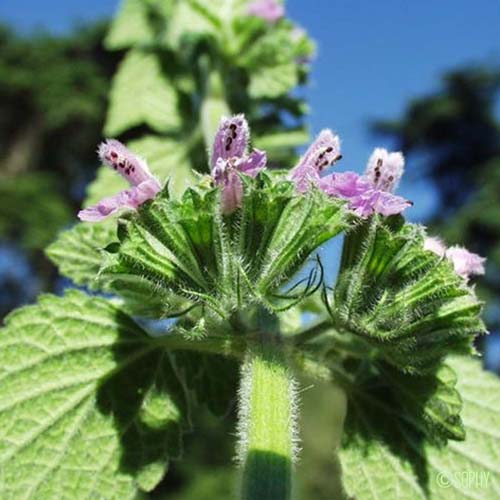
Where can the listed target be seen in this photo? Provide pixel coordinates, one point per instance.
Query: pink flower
(144, 186)
(322, 153)
(464, 262)
(230, 158)
(366, 195)
(385, 169)
(363, 198)
(435, 245)
(269, 10)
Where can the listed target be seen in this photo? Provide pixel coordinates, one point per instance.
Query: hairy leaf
(78, 252)
(141, 94)
(132, 25)
(415, 469)
(273, 81)
(89, 405)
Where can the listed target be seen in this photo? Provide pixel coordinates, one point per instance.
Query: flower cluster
(230, 158)
(367, 194)
(465, 263)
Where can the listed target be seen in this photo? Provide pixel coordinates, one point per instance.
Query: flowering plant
(95, 397)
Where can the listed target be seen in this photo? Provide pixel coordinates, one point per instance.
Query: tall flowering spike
(323, 152)
(269, 10)
(385, 169)
(464, 262)
(230, 158)
(231, 140)
(144, 186)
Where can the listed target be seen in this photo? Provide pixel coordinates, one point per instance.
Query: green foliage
(97, 407)
(189, 248)
(140, 78)
(33, 209)
(407, 302)
(46, 126)
(469, 469)
(78, 253)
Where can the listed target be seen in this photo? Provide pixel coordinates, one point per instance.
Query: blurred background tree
(452, 136)
(53, 95)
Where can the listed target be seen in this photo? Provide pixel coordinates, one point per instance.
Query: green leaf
(415, 469)
(406, 301)
(141, 94)
(89, 405)
(272, 82)
(190, 18)
(33, 209)
(132, 25)
(78, 252)
(273, 141)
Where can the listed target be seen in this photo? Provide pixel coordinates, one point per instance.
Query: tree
(53, 94)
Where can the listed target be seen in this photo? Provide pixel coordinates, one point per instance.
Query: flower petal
(128, 198)
(324, 151)
(232, 192)
(464, 262)
(134, 169)
(389, 204)
(435, 245)
(253, 164)
(231, 140)
(384, 169)
(344, 184)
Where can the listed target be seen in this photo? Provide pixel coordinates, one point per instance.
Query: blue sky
(372, 57)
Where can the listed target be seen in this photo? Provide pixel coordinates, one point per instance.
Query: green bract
(406, 302)
(189, 249)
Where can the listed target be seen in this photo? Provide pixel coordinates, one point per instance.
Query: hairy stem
(267, 424)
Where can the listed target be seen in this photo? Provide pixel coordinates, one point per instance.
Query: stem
(267, 424)
(312, 332)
